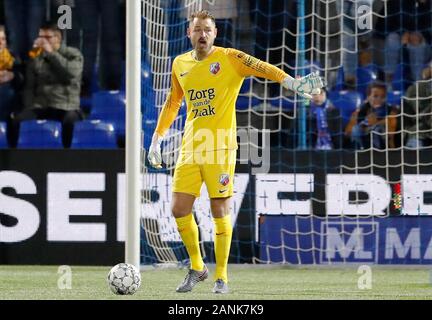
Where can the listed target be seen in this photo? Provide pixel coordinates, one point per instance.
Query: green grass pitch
(246, 283)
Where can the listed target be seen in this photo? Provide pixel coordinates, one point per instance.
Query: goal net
(330, 187)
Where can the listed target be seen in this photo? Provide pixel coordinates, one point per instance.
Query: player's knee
(220, 207)
(180, 210)
(182, 204)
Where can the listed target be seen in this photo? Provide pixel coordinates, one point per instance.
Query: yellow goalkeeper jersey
(210, 88)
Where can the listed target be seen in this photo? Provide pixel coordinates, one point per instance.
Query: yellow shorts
(215, 168)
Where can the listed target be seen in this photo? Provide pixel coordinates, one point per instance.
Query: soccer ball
(124, 278)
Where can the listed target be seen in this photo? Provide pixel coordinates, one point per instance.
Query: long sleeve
(69, 65)
(247, 65)
(171, 107)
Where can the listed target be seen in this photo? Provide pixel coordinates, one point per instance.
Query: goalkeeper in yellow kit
(209, 78)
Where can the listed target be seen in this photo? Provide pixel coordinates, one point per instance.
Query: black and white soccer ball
(124, 279)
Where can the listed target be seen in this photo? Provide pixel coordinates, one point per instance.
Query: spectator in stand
(111, 44)
(407, 39)
(375, 117)
(52, 84)
(417, 111)
(10, 78)
(23, 19)
(326, 122)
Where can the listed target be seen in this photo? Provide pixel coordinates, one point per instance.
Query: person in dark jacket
(52, 84)
(375, 117)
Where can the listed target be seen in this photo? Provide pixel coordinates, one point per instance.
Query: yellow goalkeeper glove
(305, 86)
(154, 155)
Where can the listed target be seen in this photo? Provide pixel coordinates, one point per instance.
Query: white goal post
(133, 131)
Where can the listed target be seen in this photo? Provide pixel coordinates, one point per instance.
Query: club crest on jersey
(224, 179)
(215, 67)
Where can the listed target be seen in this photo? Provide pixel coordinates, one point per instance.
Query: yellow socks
(222, 245)
(188, 230)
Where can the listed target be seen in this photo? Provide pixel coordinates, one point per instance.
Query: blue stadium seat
(146, 74)
(120, 128)
(394, 97)
(347, 102)
(110, 106)
(147, 91)
(246, 102)
(40, 134)
(246, 85)
(105, 102)
(94, 134)
(365, 76)
(287, 104)
(3, 137)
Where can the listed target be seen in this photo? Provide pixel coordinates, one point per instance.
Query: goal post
(133, 131)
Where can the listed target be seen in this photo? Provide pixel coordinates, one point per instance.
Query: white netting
(341, 205)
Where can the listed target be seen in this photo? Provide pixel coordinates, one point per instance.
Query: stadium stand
(40, 134)
(3, 137)
(94, 134)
